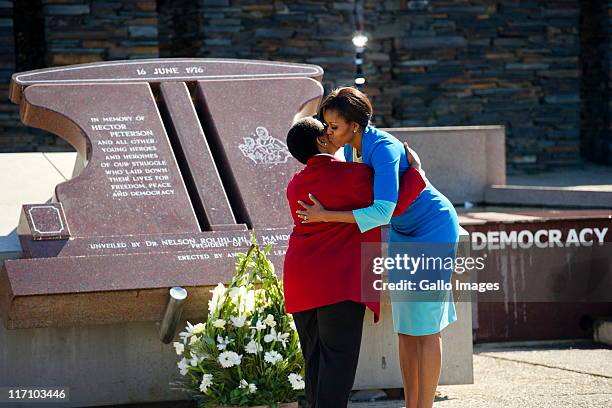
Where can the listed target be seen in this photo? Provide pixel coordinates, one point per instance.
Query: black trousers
(330, 337)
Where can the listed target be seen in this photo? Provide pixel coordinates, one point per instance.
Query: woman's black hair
(302, 138)
(352, 104)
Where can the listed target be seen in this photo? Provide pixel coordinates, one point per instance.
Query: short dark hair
(302, 138)
(352, 104)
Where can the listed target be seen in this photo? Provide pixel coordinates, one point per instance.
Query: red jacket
(326, 262)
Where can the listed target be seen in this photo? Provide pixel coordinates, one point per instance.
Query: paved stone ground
(527, 375)
(529, 378)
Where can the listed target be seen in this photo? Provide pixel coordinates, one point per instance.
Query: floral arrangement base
(247, 353)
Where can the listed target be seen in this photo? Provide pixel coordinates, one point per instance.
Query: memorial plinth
(178, 160)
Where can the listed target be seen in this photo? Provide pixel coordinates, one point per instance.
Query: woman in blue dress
(428, 229)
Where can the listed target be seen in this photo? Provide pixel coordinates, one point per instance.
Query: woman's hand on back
(312, 213)
(413, 159)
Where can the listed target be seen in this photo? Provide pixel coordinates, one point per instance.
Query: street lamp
(360, 40)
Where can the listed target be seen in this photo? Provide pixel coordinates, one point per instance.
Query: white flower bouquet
(247, 353)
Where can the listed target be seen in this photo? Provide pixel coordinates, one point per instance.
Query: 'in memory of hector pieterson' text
(131, 162)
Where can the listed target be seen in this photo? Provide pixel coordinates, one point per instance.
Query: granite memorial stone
(178, 160)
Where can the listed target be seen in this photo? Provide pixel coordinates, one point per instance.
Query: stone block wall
(7, 51)
(9, 114)
(87, 31)
(316, 32)
(476, 62)
(73, 32)
(525, 65)
(607, 46)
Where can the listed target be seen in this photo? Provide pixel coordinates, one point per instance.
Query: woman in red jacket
(327, 275)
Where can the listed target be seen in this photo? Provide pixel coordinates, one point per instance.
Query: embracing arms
(380, 212)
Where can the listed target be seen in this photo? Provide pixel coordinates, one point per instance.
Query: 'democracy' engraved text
(130, 158)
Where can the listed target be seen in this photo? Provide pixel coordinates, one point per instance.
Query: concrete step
(599, 196)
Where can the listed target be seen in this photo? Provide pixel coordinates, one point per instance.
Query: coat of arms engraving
(263, 148)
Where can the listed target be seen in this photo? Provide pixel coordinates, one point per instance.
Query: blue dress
(428, 230)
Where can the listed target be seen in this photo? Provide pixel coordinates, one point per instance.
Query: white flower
(237, 294)
(179, 347)
(229, 359)
(249, 303)
(238, 321)
(206, 382)
(292, 325)
(259, 326)
(274, 336)
(182, 365)
(269, 320)
(219, 323)
(234, 293)
(195, 359)
(268, 338)
(283, 338)
(297, 383)
(185, 335)
(273, 357)
(244, 384)
(218, 297)
(198, 328)
(252, 347)
(219, 290)
(194, 339)
(223, 342)
(243, 299)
